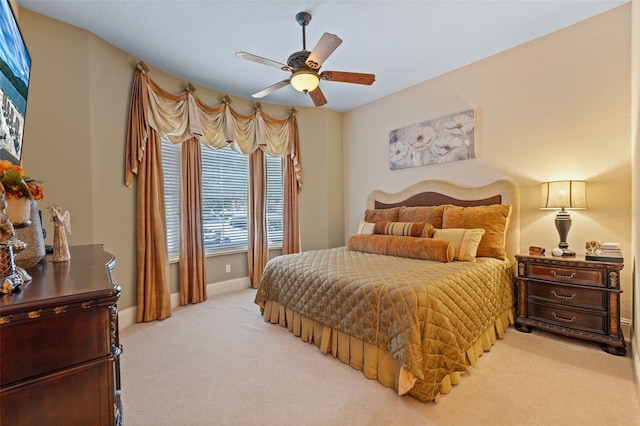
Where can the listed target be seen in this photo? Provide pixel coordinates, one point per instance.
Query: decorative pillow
(380, 215)
(431, 214)
(465, 241)
(366, 227)
(494, 219)
(411, 247)
(406, 229)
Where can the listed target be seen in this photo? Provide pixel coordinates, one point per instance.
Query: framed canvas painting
(441, 140)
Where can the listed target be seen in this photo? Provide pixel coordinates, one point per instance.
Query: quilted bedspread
(425, 313)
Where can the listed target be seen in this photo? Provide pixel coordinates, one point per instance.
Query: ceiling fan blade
(263, 61)
(325, 47)
(317, 97)
(271, 89)
(348, 77)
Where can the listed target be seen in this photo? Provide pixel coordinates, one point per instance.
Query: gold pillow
(431, 214)
(411, 247)
(494, 219)
(380, 215)
(404, 229)
(465, 241)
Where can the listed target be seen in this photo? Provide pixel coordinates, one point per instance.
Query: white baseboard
(127, 316)
(228, 286)
(625, 326)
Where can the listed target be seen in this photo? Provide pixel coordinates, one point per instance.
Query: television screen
(15, 64)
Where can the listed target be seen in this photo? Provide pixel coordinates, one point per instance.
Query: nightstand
(571, 296)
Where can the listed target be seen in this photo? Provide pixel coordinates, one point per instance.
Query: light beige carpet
(219, 363)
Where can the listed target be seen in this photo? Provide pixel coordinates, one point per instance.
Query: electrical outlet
(227, 268)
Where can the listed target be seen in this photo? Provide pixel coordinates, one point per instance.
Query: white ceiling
(402, 42)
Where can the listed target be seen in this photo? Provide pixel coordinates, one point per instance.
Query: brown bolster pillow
(411, 247)
(406, 229)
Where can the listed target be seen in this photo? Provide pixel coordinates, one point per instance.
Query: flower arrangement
(16, 184)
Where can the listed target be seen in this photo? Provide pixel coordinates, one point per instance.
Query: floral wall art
(441, 140)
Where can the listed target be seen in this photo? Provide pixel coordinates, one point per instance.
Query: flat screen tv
(15, 67)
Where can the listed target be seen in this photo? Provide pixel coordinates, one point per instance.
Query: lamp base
(563, 224)
(568, 253)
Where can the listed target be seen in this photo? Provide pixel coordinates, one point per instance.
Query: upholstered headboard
(436, 192)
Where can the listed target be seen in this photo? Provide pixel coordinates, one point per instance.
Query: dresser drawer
(566, 274)
(77, 396)
(592, 322)
(39, 346)
(570, 296)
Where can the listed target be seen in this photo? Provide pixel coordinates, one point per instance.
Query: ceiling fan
(304, 66)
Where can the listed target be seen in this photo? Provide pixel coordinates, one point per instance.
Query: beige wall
(554, 108)
(321, 200)
(635, 138)
(75, 135)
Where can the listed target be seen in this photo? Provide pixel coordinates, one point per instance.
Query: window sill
(176, 259)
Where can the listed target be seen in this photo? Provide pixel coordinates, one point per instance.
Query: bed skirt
(376, 363)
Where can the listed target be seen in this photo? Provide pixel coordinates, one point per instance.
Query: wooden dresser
(571, 296)
(59, 348)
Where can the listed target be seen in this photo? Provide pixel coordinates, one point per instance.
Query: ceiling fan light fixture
(305, 81)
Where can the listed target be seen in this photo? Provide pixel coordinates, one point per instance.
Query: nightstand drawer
(591, 322)
(562, 274)
(573, 296)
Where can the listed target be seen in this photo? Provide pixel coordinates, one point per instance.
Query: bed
(416, 295)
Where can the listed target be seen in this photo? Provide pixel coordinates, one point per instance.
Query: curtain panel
(156, 114)
(193, 288)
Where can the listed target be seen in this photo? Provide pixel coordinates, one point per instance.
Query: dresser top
(577, 260)
(87, 276)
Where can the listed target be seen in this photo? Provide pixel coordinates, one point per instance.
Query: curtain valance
(178, 118)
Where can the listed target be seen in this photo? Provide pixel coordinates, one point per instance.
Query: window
(171, 171)
(224, 198)
(275, 200)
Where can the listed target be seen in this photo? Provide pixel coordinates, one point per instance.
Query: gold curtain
(156, 114)
(153, 299)
(193, 288)
(292, 177)
(258, 253)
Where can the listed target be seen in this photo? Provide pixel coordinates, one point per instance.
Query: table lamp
(563, 194)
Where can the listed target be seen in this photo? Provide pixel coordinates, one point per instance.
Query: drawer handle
(563, 296)
(568, 277)
(562, 318)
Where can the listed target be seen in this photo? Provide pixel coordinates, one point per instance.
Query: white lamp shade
(305, 81)
(563, 194)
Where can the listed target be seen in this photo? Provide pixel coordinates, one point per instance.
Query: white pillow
(366, 227)
(465, 241)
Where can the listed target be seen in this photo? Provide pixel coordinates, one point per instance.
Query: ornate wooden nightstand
(571, 296)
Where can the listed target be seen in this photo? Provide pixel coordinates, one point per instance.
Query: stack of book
(609, 252)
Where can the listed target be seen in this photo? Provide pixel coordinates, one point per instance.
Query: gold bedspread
(426, 314)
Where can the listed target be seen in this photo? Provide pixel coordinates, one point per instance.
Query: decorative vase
(34, 237)
(19, 211)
